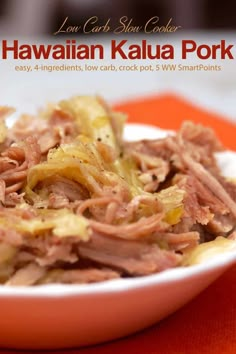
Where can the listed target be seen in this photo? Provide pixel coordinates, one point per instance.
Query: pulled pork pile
(80, 205)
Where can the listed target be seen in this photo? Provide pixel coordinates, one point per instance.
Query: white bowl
(63, 316)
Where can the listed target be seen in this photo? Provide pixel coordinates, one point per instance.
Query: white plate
(60, 316)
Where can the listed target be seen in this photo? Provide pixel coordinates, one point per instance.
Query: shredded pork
(80, 205)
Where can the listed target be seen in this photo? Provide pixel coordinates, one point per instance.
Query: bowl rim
(219, 261)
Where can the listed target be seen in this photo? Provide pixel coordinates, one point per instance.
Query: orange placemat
(169, 111)
(207, 325)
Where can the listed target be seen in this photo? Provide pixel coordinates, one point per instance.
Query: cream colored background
(215, 90)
